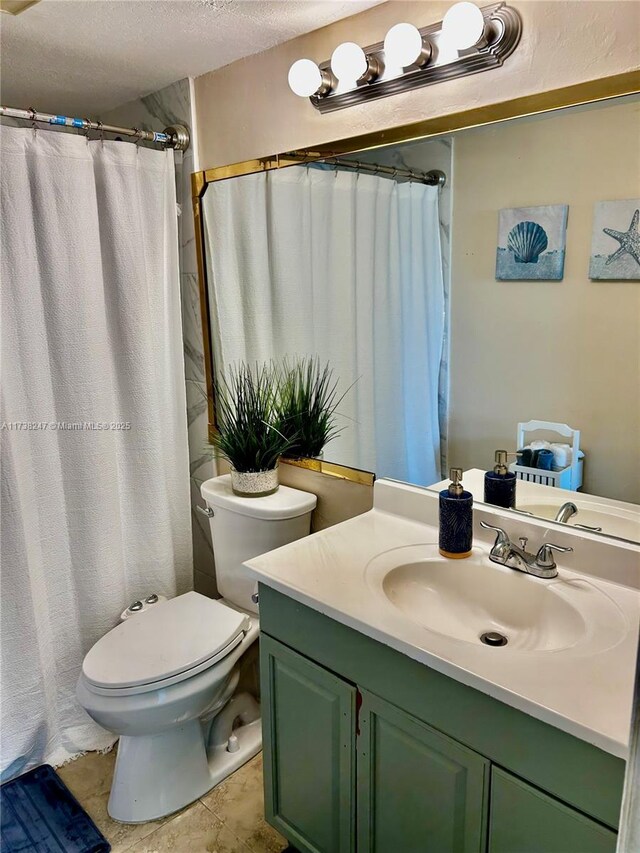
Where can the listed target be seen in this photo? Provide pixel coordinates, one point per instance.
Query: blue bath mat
(39, 814)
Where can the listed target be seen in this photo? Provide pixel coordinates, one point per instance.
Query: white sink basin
(572, 641)
(464, 599)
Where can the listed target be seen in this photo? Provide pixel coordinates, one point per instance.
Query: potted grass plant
(307, 407)
(248, 435)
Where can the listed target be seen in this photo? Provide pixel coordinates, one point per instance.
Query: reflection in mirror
(346, 265)
(456, 314)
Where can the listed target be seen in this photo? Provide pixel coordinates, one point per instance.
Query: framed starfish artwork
(615, 241)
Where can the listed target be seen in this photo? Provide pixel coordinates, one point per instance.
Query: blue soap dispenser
(500, 484)
(456, 519)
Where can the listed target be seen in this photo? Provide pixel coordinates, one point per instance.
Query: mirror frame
(592, 91)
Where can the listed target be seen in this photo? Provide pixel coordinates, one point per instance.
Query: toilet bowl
(167, 681)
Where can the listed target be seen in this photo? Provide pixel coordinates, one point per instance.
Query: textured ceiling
(87, 56)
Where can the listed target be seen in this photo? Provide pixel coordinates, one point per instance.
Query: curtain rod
(176, 136)
(434, 178)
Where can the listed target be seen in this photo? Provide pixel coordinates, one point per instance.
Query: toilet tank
(242, 528)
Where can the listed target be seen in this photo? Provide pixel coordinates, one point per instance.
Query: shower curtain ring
(34, 123)
(101, 132)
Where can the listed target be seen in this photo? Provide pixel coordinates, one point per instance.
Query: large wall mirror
(460, 287)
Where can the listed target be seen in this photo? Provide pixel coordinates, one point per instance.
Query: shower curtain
(346, 266)
(95, 486)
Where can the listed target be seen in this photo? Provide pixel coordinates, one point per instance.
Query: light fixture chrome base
(502, 34)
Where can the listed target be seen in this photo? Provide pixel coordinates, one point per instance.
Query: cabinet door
(524, 820)
(418, 791)
(308, 724)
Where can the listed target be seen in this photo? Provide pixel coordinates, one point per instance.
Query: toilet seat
(176, 640)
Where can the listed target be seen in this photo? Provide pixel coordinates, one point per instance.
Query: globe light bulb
(305, 78)
(403, 46)
(463, 26)
(349, 62)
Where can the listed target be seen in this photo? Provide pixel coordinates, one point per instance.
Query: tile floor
(229, 819)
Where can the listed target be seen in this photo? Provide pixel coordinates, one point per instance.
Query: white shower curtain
(346, 266)
(95, 487)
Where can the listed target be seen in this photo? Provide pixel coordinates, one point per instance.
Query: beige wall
(246, 109)
(566, 351)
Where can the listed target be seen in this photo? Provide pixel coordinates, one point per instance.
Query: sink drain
(493, 638)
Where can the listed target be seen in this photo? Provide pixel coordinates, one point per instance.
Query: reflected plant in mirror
(307, 408)
(365, 263)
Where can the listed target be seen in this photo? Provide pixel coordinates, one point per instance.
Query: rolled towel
(545, 459)
(540, 445)
(524, 456)
(562, 455)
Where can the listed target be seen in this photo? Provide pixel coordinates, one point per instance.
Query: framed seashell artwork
(615, 241)
(531, 243)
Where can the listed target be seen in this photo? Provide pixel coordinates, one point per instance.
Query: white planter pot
(254, 484)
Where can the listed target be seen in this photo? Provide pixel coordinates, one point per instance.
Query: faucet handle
(502, 537)
(545, 558)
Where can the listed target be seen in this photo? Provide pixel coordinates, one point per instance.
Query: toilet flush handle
(205, 510)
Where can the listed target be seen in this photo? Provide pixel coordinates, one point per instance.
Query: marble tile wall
(173, 105)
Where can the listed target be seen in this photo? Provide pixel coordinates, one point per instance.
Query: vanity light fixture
(468, 40)
(306, 79)
(351, 65)
(404, 46)
(464, 26)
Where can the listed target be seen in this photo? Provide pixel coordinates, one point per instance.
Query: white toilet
(166, 680)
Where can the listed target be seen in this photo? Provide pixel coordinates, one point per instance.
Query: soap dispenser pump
(456, 518)
(500, 484)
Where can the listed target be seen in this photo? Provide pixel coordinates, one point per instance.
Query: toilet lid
(169, 639)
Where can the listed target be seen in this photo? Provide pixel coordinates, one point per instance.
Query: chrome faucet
(505, 553)
(565, 512)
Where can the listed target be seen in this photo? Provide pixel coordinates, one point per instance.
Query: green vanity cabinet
(417, 789)
(368, 751)
(308, 718)
(524, 820)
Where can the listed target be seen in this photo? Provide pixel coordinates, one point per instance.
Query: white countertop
(586, 694)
